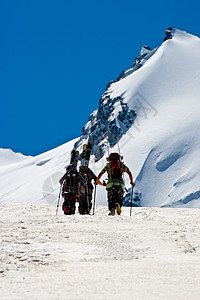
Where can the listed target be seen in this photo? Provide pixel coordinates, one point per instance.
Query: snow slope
(169, 139)
(155, 254)
(162, 145)
(7, 157)
(154, 110)
(35, 180)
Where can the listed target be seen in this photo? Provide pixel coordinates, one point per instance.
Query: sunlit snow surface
(162, 148)
(154, 254)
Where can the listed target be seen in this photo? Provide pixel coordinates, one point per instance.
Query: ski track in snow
(155, 254)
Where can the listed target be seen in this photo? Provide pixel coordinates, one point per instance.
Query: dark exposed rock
(121, 75)
(169, 33)
(105, 125)
(138, 60)
(108, 124)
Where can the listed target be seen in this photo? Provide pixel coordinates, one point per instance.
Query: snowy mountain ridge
(151, 114)
(8, 157)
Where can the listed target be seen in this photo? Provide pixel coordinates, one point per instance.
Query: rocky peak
(107, 124)
(169, 32)
(114, 117)
(144, 51)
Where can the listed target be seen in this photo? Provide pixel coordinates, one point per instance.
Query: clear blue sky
(56, 58)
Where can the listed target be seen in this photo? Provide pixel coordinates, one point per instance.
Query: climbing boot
(118, 208)
(112, 212)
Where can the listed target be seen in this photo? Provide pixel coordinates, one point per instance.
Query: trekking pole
(121, 157)
(131, 201)
(95, 189)
(119, 148)
(58, 199)
(88, 203)
(107, 144)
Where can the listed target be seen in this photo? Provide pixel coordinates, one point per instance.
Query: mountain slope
(8, 157)
(160, 142)
(35, 180)
(152, 115)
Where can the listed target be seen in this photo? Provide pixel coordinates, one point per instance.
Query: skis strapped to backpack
(74, 157)
(87, 148)
(85, 157)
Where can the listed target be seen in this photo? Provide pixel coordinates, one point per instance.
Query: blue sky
(56, 58)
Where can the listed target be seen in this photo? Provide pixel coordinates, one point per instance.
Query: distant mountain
(151, 115)
(8, 157)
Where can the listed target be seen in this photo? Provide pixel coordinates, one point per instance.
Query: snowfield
(154, 254)
(161, 147)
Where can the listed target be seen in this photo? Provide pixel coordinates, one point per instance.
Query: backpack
(115, 166)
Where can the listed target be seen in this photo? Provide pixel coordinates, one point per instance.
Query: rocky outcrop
(169, 32)
(107, 124)
(114, 117)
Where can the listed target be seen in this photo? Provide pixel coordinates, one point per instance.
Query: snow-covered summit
(162, 72)
(151, 114)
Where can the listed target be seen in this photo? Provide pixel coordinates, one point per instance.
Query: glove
(132, 183)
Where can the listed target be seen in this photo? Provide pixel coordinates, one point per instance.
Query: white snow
(163, 144)
(7, 157)
(154, 254)
(31, 180)
(162, 148)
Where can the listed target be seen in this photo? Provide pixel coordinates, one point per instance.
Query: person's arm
(98, 179)
(131, 177)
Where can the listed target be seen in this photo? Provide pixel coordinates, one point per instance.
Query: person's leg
(119, 199)
(81, 207)
(111, 201)
(72, 204)
(90, 199)
(65, 206)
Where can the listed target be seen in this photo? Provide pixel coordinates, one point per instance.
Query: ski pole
(95, 189)
(58, 199)
(131, 201)
(107, 144)
(119, 148)
(88, 202)
(121, 157)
